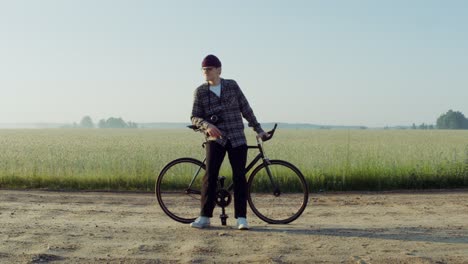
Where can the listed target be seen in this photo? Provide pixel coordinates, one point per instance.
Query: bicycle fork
(266, 163)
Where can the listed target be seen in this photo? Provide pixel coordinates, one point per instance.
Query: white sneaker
(242, 223)
(201, 222)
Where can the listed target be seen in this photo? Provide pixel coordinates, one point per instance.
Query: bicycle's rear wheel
(178, 189)
(284, 203)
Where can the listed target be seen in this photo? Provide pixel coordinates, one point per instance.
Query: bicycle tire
(293, 189)
(174, 198)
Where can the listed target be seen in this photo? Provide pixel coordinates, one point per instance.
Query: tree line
(111, 122)
(450, 120)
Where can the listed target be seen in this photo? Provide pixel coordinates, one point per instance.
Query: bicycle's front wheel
(178, 189)
(278, 192)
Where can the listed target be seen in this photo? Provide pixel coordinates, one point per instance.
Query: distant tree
(113, 122)
(452, 120)
(413, 126)
(423, 126)
(102, 123)
(132, 124)
(86, 122)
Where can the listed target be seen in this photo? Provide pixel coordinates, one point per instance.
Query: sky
(370, 63)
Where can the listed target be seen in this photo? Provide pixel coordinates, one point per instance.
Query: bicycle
(277, 190)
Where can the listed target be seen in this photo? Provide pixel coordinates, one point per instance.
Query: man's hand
(213, 131)
(263, 135)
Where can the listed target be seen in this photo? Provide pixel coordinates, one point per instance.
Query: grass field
(130, 159)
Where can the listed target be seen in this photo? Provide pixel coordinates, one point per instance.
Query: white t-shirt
(216, 89)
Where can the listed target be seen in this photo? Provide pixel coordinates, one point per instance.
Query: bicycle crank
(223, 198)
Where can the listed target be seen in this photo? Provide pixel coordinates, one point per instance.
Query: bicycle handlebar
(193, 127)
(271, 132)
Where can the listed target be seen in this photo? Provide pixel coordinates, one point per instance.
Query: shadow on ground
(445, 235)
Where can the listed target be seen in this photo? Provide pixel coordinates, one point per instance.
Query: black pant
(214, 158)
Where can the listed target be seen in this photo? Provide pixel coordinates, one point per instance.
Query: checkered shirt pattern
(231, 106)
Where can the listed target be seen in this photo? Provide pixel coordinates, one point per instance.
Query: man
(218, 108)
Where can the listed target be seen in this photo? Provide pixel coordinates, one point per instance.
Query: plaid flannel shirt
(231, 106)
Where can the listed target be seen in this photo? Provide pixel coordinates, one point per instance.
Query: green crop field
(130, 159)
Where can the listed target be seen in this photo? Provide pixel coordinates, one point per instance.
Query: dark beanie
(211, 61)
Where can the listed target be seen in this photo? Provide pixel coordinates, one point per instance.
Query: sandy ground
(70, 227)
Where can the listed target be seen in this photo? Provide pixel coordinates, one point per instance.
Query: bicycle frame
(260, 155)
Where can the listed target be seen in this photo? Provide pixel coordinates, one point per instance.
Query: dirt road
(70, 227)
